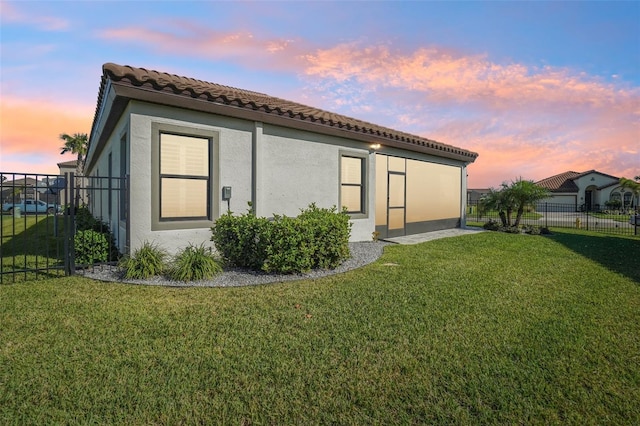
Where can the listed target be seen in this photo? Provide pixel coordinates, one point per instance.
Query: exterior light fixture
(374, 147)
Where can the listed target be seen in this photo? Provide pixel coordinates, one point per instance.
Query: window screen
(184, 177)
(352, 184)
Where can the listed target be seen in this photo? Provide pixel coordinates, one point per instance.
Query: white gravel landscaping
(362, 253)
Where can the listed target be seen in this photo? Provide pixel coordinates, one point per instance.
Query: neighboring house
(80, 182)
(194, 149)
(67, 167)
(474, 195)
(26, 188)
(586, 191)
(17, 190)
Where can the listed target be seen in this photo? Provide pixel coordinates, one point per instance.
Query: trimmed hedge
(241, 240)
(317, 238)
(331, 235)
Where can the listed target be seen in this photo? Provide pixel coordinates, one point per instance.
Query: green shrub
(90, 247)
(317, 238)
(291, 246)
(85, 221)
(510, 229)
(331, 231)
(194, 263)
(491, 225)
(240, 240)
(532, 229)
(146, 261)
(613, 204)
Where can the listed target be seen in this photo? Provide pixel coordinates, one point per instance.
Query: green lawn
(489, 328)
(616, 217)
(31, 242)
(493, 214)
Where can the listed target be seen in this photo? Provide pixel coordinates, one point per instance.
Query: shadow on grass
(33, 236)
(31, 247)
(618, 254)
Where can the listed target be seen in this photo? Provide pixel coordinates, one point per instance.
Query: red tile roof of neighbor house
(560, 183)
(564, 182)
(184, 92)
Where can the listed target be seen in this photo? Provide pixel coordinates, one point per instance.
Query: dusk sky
(536, 88)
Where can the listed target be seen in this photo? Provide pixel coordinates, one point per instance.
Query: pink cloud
(193, 39)
(12, 14)
(444, 77)
(524, 121)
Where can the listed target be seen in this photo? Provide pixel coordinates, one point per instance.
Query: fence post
(587, 214)
(67, 223)
(70, 226)
(546, 216)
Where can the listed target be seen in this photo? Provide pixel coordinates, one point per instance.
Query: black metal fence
(53, 224)
(549, 215)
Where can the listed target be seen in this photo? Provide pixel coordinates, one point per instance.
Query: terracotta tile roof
(564, 182)
(560, 183)
(196, 94)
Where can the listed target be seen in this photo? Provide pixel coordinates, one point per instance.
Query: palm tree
(514, 197)
(75, 144)
(633, 186)
(526, 193)
(499, 200)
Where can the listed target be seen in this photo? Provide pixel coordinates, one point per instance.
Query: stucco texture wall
(234, 170)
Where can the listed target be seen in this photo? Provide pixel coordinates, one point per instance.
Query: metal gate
(52, 225)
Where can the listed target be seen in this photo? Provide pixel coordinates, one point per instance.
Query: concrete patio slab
(434, 235)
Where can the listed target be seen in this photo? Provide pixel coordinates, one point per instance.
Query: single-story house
(588, 190)
(81, 182)
(66, 167)
(193, 150)
(475, 195)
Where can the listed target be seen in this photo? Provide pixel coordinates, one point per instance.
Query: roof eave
(115, 110)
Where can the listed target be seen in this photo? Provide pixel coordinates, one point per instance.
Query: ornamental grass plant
(194, 263)
(147, 261)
